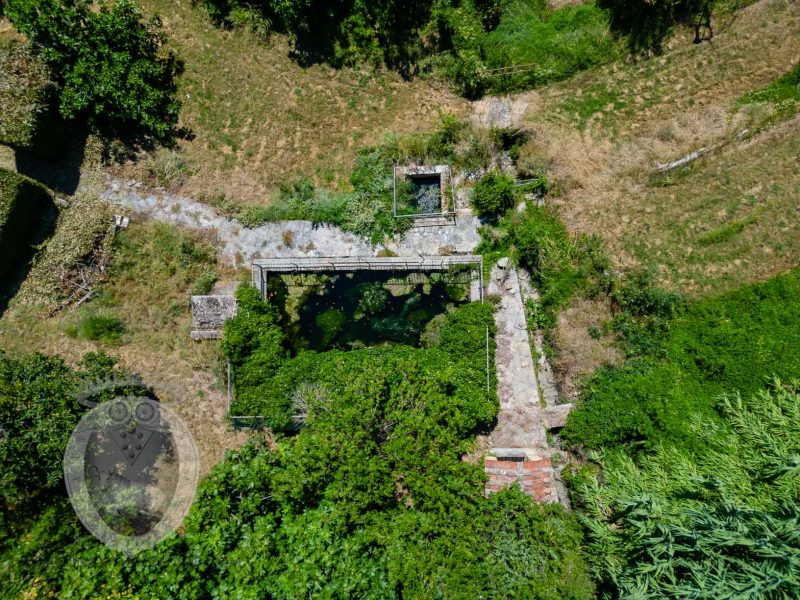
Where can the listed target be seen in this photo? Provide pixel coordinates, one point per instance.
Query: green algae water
(321, 311)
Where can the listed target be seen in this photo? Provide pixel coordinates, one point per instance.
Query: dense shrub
(254, 343)
(720, 523)
(109, 64)
(24, 208)
(371, 499)
(275, 387)
(718, 345)
(26, 93)
(493, 194)
(560, 265)
(38, 411)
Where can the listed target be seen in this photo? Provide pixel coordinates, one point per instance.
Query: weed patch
(95, 326)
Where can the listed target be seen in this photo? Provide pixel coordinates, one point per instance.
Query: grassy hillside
(725, 220)
(259, 119)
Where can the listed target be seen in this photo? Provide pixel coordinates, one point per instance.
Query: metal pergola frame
(263, 267)
(260, 279)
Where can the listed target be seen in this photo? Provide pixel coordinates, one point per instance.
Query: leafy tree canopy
(109, 63)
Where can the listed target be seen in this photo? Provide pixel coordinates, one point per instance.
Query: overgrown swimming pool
(321, 311)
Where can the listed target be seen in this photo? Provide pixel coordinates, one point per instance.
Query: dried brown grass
(259, 118)
(578, 352)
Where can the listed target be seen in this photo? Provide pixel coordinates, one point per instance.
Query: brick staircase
(535, 477)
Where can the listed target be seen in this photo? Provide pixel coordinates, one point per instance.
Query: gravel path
(239, 245)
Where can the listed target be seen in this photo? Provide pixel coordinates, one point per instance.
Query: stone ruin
(209, 314)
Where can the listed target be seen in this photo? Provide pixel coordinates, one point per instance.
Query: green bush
(110, 64)
(494, 194)
(24, 208)
(204, 284)
(97, 326)
(38, 411)
(560, 264)
(718, 345)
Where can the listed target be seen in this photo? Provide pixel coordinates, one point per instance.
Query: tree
(39, 409)
(110, 64)
(721, 523)
(646, 22)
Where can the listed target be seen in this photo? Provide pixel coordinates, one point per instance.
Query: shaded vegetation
(26, 209)
(679, 366)
(464, 40)
(26, 93)
(646, 24)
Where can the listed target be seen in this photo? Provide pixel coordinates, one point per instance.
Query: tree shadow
(24, 239)
(56, 160)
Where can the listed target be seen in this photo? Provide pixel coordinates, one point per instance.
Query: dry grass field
(259, 119)
(603, 132)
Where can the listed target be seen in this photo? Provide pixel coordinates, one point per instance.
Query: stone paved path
(239, 245)
(519, 424)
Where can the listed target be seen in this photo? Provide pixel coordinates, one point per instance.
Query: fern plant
(724, 523)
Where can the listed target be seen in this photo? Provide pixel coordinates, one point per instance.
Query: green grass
(155, 268)
(555, 44)
(751, 48)
(735, 342)
(727, 232)
(595, 102)
(724, 221)
(783, 95)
